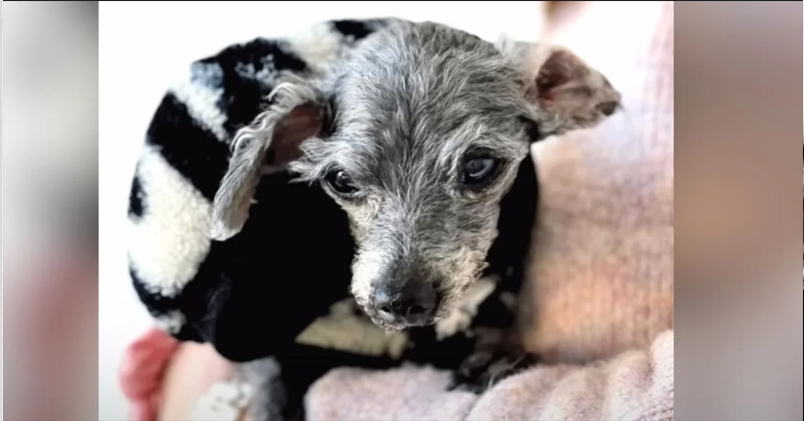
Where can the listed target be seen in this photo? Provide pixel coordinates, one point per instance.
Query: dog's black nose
(412, 304)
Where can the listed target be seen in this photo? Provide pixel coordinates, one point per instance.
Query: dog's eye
(340, 182)
(478, 171)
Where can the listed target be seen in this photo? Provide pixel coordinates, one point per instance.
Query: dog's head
(417, 135)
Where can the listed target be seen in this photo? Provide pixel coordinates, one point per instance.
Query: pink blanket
(636, 385)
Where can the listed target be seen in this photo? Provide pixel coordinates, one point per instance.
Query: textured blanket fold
(636, 385)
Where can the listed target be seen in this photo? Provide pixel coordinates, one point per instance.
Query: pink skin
(163, 378)
(143, 370)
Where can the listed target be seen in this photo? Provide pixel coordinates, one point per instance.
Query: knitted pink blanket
(636, 385)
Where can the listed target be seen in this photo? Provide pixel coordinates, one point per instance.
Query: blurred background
(67, 164)
(50, 210)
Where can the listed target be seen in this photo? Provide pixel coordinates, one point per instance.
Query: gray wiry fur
(250, 148)
(405, 107)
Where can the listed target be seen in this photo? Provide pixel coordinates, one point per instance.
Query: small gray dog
(418, 132)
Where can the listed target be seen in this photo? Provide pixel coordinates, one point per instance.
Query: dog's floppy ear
(563, 91)
(297, 112)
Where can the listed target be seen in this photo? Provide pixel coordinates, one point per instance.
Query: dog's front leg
(496, 356)
(496, 349)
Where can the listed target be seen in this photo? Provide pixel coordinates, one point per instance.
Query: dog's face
(418, 135)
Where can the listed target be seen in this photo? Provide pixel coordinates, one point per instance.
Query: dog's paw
(485, 368)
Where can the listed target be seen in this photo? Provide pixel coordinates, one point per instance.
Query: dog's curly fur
(237, 241)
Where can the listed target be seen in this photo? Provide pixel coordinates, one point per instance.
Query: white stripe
(318, 46)
(201, 104)
(171, 239)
